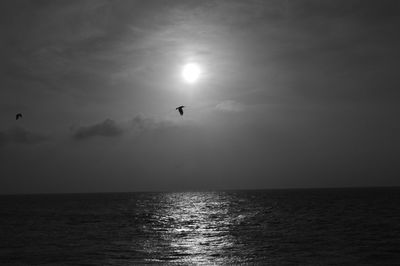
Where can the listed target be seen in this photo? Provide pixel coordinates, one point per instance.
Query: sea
(352, 226)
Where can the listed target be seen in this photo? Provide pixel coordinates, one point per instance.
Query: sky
(291, 94)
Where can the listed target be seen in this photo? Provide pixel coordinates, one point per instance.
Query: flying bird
(18, 116)
(180, 109)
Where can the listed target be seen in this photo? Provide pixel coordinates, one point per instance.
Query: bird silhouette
(180, 109)
(18, 116)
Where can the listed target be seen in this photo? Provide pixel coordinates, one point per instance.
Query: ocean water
(266, 227)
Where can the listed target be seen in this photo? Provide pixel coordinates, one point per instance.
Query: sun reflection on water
(197, 226)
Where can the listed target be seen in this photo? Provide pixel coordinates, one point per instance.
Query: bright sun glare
(191, 72)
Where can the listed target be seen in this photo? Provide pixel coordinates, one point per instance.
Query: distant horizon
(205, 190)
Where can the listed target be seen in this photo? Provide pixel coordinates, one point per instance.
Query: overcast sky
(291, 94)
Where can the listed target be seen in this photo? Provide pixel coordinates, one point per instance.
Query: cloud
(142, 123)
(107, 128)
(111, 128)
(21, 136)
(229, 106)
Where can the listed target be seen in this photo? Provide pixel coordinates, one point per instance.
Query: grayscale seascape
(273, 227)
(268, 132)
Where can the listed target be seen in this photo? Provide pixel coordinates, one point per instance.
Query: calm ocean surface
(268, 227)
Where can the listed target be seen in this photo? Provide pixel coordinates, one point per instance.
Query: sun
(191, 72)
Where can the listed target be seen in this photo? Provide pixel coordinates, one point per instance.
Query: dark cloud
(107, 128)
(142, 123)
(111, 128)
(21, 136)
